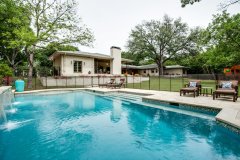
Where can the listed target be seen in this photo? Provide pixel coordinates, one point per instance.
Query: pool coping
(226, 116)
(4, 89)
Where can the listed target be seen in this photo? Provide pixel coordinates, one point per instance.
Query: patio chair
(193, 86)
(118, 85)
(226, 88)
(112, 81)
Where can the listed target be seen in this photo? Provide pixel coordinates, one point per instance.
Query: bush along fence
(161, 83)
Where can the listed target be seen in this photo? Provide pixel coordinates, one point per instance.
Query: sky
(111, 21)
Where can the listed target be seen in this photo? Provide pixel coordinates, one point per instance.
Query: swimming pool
(82, 125)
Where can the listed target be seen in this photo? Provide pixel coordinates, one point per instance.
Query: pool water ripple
(80, 125)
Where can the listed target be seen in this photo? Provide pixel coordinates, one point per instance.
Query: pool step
(132, 96)
(125, 96)
(129, 99)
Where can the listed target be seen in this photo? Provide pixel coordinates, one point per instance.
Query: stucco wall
(149, 72)
(68, 61)
(178, 71)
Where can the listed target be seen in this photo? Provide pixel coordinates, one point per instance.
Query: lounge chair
(118, 85)
(226, 88)
(112, 81)
(194, 86)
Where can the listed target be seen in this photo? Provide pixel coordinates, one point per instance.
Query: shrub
(5, 70)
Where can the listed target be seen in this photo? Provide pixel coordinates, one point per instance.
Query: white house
(152, 70)
(76, 63)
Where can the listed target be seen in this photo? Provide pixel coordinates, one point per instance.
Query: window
(77, 66)
(152, 70)
(156, 71)
(144, 71)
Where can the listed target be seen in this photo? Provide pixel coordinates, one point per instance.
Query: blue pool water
(85, 126)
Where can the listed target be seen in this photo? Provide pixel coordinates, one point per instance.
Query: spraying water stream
(6, 100)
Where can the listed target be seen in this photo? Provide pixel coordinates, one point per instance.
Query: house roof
(174, 67)
(151, 66)
(86, 54)
(80, 54)
(124, 60)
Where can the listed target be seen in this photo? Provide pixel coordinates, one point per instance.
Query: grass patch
(167, 84)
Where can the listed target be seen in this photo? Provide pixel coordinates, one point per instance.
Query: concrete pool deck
(229, 112)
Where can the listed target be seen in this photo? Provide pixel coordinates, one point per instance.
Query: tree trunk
(160, 69)
(14, 67)
(30, 71)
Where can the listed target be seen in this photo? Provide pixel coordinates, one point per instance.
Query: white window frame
(77, 67)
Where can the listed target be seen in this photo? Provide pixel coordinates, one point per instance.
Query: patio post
(57, 82)
(170, 83)
(66, 83)
(140, 81)
(149, 81)
(83, 81)
(75, 81)
(98, 80)
(92, 80)
(182, 81)
(46, 82)
(133, 81)
(159, 82)
(35, 82)
(126, 80)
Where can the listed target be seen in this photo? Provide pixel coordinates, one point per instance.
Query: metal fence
(161, 83)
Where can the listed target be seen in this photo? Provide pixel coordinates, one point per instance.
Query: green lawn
(167, 84)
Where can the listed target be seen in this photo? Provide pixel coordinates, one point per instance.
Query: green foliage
(15, 31)
(42, 55)
(223, 5)
(5, 70)
(57, 21)
(162, 41)
(223, 42)
(186, 2)
(137, 58)
(221, 46)
(15, 24)
(54, 22)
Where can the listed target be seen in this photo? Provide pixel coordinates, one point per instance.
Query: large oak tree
(162, 40)
(55, 21)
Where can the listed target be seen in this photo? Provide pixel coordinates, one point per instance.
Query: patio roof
(124, 60)
(151, 66)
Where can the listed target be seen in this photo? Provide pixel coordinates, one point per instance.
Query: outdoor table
(206, 89)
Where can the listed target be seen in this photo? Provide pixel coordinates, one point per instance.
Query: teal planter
(19, 84)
